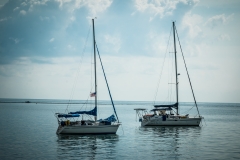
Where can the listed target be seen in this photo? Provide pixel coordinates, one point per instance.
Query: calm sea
(28, 131)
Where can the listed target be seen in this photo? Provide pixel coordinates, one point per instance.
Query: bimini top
(67, 115)
(93, 112)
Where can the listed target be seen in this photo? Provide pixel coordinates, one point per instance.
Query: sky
(46, 49)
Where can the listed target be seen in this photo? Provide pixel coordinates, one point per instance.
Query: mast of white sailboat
(95, 72)
(175, 65)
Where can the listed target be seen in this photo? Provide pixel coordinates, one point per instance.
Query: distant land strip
(50, 102)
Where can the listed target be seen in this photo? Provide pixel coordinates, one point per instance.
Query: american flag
(93, 94)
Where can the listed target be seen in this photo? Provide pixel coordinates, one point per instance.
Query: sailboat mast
(175, 65)
(95, 72)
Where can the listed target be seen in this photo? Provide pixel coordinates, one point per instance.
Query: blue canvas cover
(93, 112)
(68, 115)
(109, 119)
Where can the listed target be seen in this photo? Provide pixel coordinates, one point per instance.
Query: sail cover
(162, 109)
(175, 105)
(109, 119)
(67, 115)
(93, 112)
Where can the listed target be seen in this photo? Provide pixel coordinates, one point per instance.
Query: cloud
(62, 2)
(44, 18)
(160, 8)
(70, 47)
(17, 8)
(113, 43)
(72, 18)
(41, 21)
(218, 20)
(94, 7)
(16, 40)
(33, 3)
(224, 37)
(23, 12)
(3, 19)
(23, 4)
(193, 23)
(157, 43)
(51, 40)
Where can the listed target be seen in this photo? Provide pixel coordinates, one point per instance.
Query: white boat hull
(88, 129)
(158, 121)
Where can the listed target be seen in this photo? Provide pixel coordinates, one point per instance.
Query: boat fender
(67, 122)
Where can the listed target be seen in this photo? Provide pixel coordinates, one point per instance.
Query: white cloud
(224, 37)
(218, 20)
(160, 7)
(23, 12)
(94, 6)
(17, 8)
(16, 40)
(133, 13)
(33, 3)
(61, 2)
(38, 78)
(156, 43)
(44, 18)
(3, 19)
(70, 47)
(51, 40)
(72, 18)
(113, 43)
(38, 2)
(24, 4)
(193, 22)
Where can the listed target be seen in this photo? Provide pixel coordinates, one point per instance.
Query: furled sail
(68, 115)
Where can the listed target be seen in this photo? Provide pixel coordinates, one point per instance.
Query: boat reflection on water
(170, 141)
(87, 146)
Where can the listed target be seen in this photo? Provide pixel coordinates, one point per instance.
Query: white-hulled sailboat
(163, 115)
(68, 123)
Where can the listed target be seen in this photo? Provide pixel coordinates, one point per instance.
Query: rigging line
(171, 98)
(155, 96)
(75, 81)
(106, 82)
(187, 73)
(168, 75)
(86, 102)
(170, 70)
(188, 110)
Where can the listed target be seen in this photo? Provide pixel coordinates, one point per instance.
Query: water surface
(28, 131)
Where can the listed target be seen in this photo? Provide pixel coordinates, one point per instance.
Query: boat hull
(88, 129)
(172, 122)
